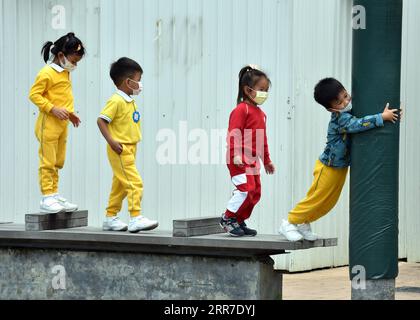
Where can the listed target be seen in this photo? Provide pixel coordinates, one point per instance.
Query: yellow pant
(322, 196)
(52, 136)
(126, 181)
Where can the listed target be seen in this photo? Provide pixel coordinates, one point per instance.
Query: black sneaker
(232, 227)
(247, 231)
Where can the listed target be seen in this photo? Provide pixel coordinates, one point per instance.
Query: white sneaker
(306, 230)
(290, 231)
(141, 223)
(114, 224)
(70, 207)
(50, 204)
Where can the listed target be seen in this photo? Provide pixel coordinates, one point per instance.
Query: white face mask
(70, 67)
(347, 109)
(137, 91)
(260, 97)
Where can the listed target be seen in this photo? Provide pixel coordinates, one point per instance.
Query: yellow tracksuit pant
(126, 181)
(322, 196)
(52, 136)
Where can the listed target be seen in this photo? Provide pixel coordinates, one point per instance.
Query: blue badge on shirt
(136, 116)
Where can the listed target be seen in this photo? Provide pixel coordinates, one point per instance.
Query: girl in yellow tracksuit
(52, 94)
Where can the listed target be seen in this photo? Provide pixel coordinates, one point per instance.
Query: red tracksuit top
(244, 120)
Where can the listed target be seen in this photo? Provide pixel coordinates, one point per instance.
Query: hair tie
(254, 67)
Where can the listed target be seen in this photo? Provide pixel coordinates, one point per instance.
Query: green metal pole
(375, 154)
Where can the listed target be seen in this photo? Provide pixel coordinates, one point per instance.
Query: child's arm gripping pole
(347, 123)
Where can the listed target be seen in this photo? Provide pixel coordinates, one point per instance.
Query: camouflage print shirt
(340, 128)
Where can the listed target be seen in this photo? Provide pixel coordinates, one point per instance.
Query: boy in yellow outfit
(119, 123)
(331, 168)
(52, 94)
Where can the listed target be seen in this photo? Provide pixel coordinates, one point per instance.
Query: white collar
(124, 95)
(56, 67)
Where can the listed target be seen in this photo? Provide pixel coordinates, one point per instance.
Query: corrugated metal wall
(191, 51)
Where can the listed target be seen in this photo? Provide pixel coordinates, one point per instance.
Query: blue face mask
(347, 109)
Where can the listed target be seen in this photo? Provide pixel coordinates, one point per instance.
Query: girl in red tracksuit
(247, 144)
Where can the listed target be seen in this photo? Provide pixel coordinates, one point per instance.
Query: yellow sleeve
(108, 113)
(38, 89)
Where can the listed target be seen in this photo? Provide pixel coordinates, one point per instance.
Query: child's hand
(237, 161)
(74, 119)
(116, 146)
(390, 114)
(270, 168)
(60, 113)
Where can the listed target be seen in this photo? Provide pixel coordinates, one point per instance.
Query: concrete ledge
(84, 275)
(150, 265)
(88, 238)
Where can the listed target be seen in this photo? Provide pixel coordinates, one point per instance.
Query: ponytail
(241, 93)
(45, 52)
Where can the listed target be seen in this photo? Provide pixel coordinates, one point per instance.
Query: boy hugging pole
(375, 155)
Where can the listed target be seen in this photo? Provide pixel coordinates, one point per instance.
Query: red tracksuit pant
(246, 195)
